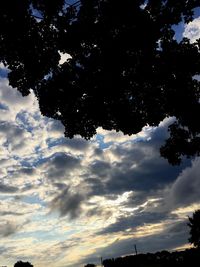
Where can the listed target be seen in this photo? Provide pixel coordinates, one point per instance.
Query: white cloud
(192, 30)
(119, 137)
(15, 102)
(64, 57)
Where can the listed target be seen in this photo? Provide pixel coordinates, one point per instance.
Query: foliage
(194, 224)
(23, 264)
(159, 259)
(125, 70)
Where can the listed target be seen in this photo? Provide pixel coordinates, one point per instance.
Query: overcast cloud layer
(69, 202)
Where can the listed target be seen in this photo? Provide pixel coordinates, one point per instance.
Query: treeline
(187, 258)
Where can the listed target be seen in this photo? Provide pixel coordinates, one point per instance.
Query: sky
(68, 202)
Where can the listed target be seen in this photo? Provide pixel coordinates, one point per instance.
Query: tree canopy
(194, 224)
(124, 70)
(23, 264)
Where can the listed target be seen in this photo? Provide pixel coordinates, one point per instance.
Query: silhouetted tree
(189, 257)
(125, 68)
(90, 265)
(23, 264)
(194, 224)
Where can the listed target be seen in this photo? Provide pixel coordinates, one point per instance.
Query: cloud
(64, 57)
(134, 221)
(13, 136)
(2, 250)
(112, 184)
(119, 137)
(186, 189)
(8, 213)
(14, 101)
(7, 189)
(100, 168)
(28, 171)
(8, 228)
(76, 143)
(3, 71)
(55, 128)
(171, 236)
(192, 30)
(68, 203)
(167, 240)
(10, 207)
(59, 165)
(62, 160)
(133, 166)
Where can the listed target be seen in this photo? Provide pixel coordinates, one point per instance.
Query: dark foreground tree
(125, 69)
(23, 264)
(194, 224)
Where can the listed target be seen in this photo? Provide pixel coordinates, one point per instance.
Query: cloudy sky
(69, 202)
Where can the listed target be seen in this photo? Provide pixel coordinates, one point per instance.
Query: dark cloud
(28, 187)
(97, 211)
(98, 152)
(96, 185)
(63, 160)
(8, 228)
(68, 203)
(100, 168)
(152, 173)
(139, 168)
(133, 221)
(76, 143)
(60, 186)
(180, 228)
(7, 188)
(186, 189)
(60, 165)
(5, 213)
(27, 171)
(149, 175)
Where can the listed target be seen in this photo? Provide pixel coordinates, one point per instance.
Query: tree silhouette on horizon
(124, 70)
(194, 224)
(23, 264)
